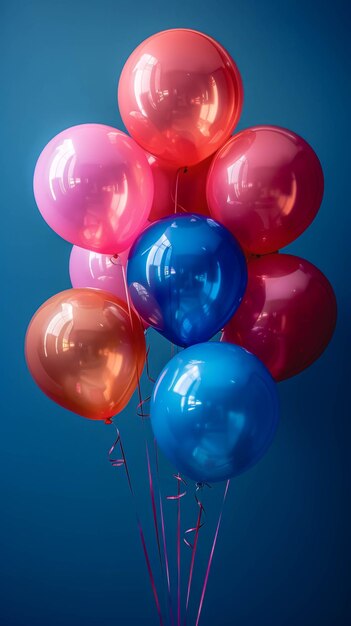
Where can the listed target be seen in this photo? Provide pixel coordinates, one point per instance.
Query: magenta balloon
(287, 316)
(99, 271)
(94, 187)
(266, 186)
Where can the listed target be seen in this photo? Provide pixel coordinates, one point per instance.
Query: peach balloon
(85, 352)
(180, 95)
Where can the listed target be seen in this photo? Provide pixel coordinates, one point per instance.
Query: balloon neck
(108, 420)
(201, 485)
(115, 259)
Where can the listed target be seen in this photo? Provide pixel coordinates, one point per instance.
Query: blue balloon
(214, 411)
(187, 276)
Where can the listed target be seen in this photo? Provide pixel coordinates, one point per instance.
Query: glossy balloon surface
(186, 276)
(178, 189)
(84, 353)
(192, 188)
(214, 411)
(266, 186)
(94, 187)
(180, 95)
(98, 271)
(287, 316)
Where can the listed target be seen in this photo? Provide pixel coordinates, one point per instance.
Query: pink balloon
(178, 189)
(265, 185)
(287, 316)
(99, 271)
(94, 187)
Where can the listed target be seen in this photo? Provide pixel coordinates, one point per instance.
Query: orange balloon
(180, 96)
(85, 352)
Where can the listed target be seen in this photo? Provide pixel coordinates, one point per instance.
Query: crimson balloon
(266, 186)
(287, 316)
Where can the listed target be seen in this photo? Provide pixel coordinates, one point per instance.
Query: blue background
(69, 549)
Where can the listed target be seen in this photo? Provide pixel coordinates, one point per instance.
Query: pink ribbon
(119, 462)
(211, 554)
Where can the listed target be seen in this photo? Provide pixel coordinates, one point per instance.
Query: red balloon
(178, 189)
(287, 316)
(192, 188)
(180, 95)
(266, 186)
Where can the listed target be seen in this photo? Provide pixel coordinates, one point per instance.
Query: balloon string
(164, 540)
(128, 299)
(193, 546)
(140, 409)
(175, 198)
(211, 554)
(178, 551)
(151, 486)
(151, 379)
(143, 415)
(179, 494)
(118, 463)
(153, 504)
(177, 498)
(176, 191)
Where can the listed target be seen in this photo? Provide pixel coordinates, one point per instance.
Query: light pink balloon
(99, 271)
(94, 187)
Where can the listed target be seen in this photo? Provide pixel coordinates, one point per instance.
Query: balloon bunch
(177, 227)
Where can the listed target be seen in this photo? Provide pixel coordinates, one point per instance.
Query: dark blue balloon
(186, 275)
(214, 411)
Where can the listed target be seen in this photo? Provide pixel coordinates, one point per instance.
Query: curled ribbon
(179, 494)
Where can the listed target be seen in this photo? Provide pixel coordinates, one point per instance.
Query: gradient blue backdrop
(69, 549)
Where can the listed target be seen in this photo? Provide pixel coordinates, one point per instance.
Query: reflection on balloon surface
(186, 276)
(214, 411)
(266, 186)
(94, 187)
(287, 316)
(85, 352)
(180, 95)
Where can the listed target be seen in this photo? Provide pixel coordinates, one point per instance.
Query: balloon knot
(201, 485)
